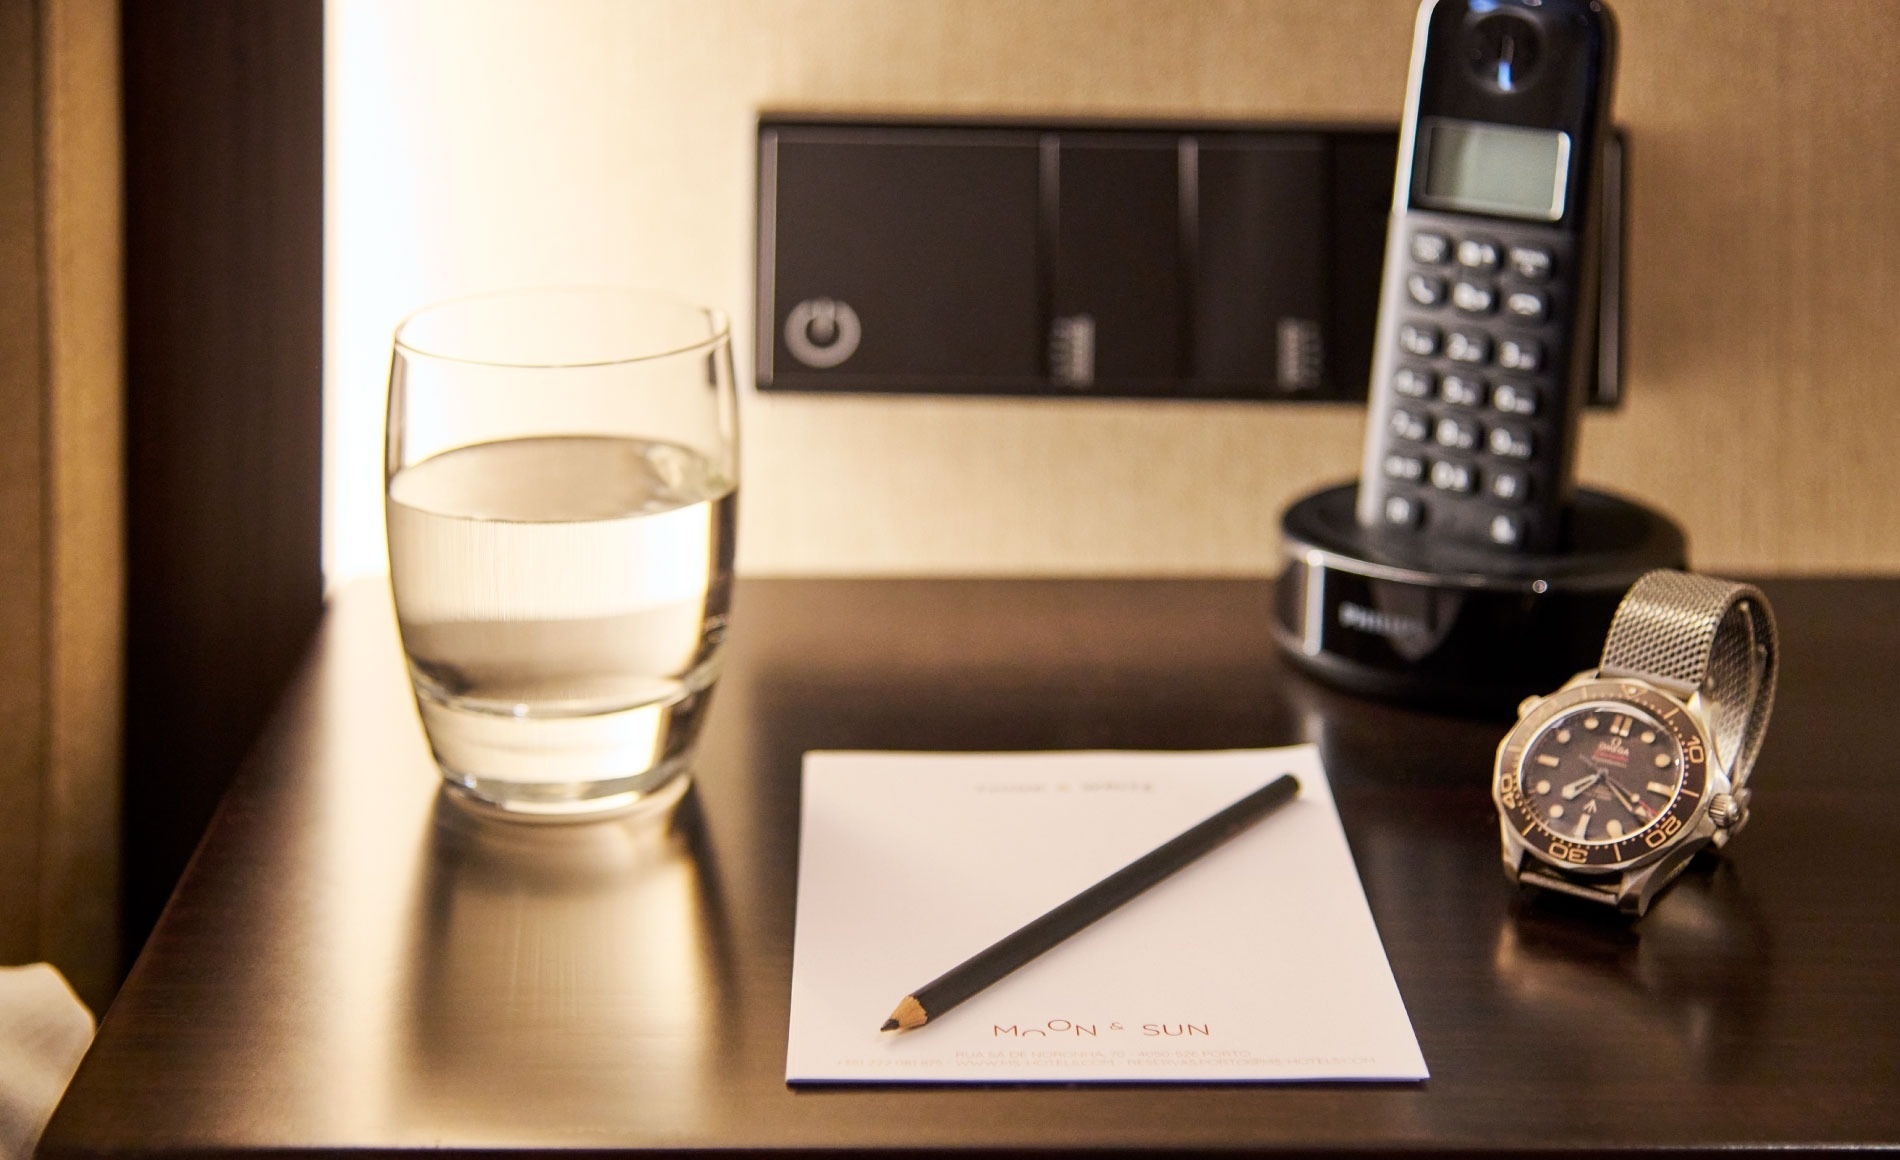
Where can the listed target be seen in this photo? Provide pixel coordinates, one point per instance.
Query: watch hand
(1630, 801)
(1578, 786)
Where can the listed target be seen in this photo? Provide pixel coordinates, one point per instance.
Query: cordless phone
(1487, 309)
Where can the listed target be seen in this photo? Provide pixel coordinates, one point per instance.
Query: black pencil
(1012, 951)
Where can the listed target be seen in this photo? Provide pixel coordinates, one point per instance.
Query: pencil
(1012, 951)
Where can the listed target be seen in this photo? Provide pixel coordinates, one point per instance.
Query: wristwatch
(1607, 787)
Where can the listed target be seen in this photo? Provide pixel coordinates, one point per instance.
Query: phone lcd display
(1500, 169)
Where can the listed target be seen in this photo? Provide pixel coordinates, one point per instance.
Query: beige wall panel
(84, 438)
(583, 140)
(1764, 250)
(61, 561)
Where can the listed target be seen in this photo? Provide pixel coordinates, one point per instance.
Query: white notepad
(1259, 961)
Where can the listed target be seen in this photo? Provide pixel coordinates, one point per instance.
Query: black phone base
(1456, 628)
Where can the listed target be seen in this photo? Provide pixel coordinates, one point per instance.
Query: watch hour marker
(1663, 760)
(1649, 737)
(1557, 811)
(1614, 828)
(1658, 788)
(1563, 736)
(1541, 787)
(1620, 726)
(1546, 759)
(1591, 722)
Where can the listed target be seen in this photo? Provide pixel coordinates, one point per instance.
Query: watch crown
(1527, 704)
(1724, 810)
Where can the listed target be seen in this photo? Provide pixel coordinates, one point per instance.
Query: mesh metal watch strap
(1696, 633)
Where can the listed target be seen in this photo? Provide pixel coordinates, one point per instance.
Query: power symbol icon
(822, 332)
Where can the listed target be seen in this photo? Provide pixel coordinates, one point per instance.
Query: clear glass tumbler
(561, 480)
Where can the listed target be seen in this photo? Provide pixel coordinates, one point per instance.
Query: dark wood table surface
(352, 964)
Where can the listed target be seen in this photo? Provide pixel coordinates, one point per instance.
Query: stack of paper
(1259, 961)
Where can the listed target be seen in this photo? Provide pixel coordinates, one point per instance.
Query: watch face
(1602, 774)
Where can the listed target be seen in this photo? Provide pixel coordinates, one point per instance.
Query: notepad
(1258, 962)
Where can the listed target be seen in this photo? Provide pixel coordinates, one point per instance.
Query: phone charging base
(1453, 627)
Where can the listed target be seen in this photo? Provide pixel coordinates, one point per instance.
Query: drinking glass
(561, 479)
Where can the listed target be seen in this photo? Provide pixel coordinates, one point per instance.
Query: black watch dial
(1601, 773)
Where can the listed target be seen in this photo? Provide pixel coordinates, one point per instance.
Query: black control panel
(1191, 261)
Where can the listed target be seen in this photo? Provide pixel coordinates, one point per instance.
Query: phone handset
(1487, 309)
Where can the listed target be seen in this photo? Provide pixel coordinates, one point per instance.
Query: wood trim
(22, 485)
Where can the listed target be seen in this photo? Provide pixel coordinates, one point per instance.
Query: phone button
(1468, 347)
(1520, 354)
(1409, 425)
(1509, 444)
(1528, 305)
(1412, 383)
(1429, 248)
(1478, 254)
(1419, 340)
(1462, 391)
(1533, 262)
(1510, 486)
(1409, 468)
(1515, 399)
(1403, 511)
(1507, 530)
(1456, 434)
(1449, 476)
(1425, 289)
(1474, 298)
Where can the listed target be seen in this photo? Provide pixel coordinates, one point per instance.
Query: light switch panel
(1193, 261)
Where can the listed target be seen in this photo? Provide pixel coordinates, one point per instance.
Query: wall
(61, 560)
(483, 143)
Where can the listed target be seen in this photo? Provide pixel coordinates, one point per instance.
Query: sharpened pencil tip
(909, 1015)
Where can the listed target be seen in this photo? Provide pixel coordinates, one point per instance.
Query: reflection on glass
(544, 958)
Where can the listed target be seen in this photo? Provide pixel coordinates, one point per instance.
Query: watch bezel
(1676, 823)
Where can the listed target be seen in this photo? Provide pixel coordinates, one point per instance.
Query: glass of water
(561, 478)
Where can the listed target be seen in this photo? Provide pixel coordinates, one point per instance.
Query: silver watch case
(1630, 873)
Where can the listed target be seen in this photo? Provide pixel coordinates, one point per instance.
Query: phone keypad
(1477, 393)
